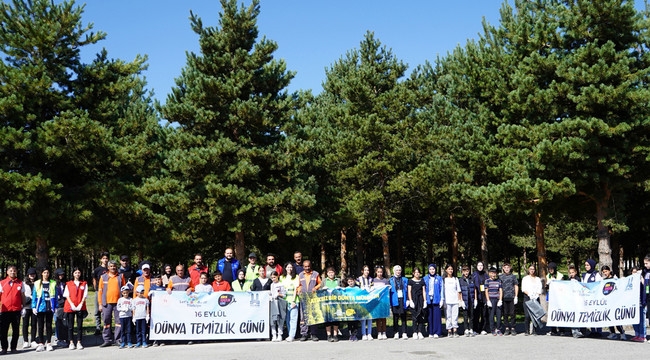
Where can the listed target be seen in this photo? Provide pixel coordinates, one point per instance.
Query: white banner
(216, 316)
(598, 304)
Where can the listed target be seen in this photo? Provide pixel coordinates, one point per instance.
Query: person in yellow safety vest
(252, 269)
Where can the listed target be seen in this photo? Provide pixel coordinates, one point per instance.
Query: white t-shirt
(452, 288)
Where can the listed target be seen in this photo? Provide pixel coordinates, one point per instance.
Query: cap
(252, 255)
(552, 265)
(124, 257)
(125, 288)
(140, 288)
(59, 272)
(31, 271)
(493, 269)
(146, 266)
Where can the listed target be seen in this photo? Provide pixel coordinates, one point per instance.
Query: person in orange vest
(144, 279)
(75, 294)
(109, 293)
(12, 297)
(309, 282)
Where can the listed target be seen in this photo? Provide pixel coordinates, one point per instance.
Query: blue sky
(311, 34)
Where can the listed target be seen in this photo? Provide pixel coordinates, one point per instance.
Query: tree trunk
(454, 242)
(429, 239)
(323, 256)
(621, 262)
(344, 251)
(42, 254)
(604, 245)
(360, 250)
(385, 251)
(541, 245)
(240, 247)
(484, 247)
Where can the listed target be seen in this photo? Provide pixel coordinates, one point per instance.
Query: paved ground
(484, 347)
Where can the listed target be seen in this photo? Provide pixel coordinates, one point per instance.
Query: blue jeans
(366, 327)
(125, 323)
(639, 329)
(292, 320)
(141, 331)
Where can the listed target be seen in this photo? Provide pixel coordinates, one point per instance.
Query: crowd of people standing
(54, 306)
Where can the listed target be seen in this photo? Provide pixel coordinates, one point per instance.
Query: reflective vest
(146, 282)
(177, 283)
(115, 292)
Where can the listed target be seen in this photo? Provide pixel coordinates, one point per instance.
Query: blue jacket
(394, 299)
(37, 296)
(438, 289)
(234, 264)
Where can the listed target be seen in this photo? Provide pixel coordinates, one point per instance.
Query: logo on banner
(226, 299)
(609, 287)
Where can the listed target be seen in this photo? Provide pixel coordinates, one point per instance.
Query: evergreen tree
(229, 170)
(73, 138)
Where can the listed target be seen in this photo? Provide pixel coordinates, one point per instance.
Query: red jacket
(12, 295)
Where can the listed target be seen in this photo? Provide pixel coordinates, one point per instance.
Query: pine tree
(74, 137)
(228, 169)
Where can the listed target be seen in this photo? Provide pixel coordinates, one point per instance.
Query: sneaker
(145, 345)
(106, 344)
(396, 337)
(513, 332)
(137, 346)
(289, 339)
(483, 332)
(122, 346)
(79, 346)
(638, 339)
(314, 338)
(623, 337)
(353, 338)
(612, 336)
(33, 344)
(335, 338)
(456, 335)
(405, 337)
(40, 348)
(499, 333)
(3, 352)
(364, 337)
(49, 347)
(304, 338)
(494, 332)
(330, 338)
(577, 334)
(370, 337)
(435, 336)
(26, 345)
(506, 332)
(71, 346)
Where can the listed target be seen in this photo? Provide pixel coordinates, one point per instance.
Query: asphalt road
(485, 347)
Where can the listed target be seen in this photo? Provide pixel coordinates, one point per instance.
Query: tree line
(528, 144)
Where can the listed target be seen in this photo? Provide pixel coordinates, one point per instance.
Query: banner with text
(603, 303)
(216, 316)
(347, 304)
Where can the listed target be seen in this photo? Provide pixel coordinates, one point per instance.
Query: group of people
(485, 299)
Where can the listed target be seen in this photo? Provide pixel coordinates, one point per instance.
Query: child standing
(494, 298)
(125, 313)
(331, 283)
(365, 282)
(378, 282)
(278, 306)
(607, 274)
(468, 290)
(574, 276)
(140, 307)
(510, 286)
(219, 284)
(453, 298)
(353, 326)
(203, 286)
(418, 303)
